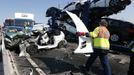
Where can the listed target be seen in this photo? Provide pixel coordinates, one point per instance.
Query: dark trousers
(103, 58)
(131, 65)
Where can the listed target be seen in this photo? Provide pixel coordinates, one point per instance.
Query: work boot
(82, 68)
(86, 71)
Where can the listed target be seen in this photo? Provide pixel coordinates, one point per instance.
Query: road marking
(13, 63)
(40, 71)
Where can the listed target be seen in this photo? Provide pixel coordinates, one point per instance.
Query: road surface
(61, 61)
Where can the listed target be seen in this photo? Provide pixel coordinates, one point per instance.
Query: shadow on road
(58, 66)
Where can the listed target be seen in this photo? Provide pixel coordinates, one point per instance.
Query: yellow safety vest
(101, 37)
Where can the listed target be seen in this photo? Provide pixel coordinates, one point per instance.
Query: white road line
(40, 71)
(13, 63)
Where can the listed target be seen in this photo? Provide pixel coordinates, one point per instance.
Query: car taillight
(131, 30)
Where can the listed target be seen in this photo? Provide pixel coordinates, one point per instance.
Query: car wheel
(32, 49)
(114, 38)
(62, 44)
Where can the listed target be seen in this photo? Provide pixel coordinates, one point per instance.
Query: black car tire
(32, 49)
(115, 38)
(62, 44)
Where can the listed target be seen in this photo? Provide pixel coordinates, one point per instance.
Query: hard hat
(103, 22)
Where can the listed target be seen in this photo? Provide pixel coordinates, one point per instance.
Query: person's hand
(87, 34)
(82, 34)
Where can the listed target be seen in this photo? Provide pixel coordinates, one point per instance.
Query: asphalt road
(61, 61)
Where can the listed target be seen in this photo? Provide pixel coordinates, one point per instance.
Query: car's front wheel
(62, 44)
(32, 49)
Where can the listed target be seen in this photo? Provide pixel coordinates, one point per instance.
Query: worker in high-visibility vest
(101, 43)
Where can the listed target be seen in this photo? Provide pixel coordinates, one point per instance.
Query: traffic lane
(119, 63)
(62, 60)
(58, 64)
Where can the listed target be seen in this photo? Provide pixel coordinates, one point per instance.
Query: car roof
(118, 20)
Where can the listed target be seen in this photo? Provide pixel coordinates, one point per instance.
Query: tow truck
(89, 11)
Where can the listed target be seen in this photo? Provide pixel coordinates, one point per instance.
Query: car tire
(114, 38)
(62, 44)
(32, 49)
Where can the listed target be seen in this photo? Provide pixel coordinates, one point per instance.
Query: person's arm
(94, 33)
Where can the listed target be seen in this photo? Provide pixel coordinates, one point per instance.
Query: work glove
(87, 34)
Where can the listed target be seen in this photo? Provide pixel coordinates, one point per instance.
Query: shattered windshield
(14, 29)
(20, 22)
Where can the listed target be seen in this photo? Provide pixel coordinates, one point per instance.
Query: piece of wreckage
(44, 40)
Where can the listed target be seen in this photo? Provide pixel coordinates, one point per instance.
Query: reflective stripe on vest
(103, 33)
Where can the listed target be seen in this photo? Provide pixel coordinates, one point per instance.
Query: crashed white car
(46, 40)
